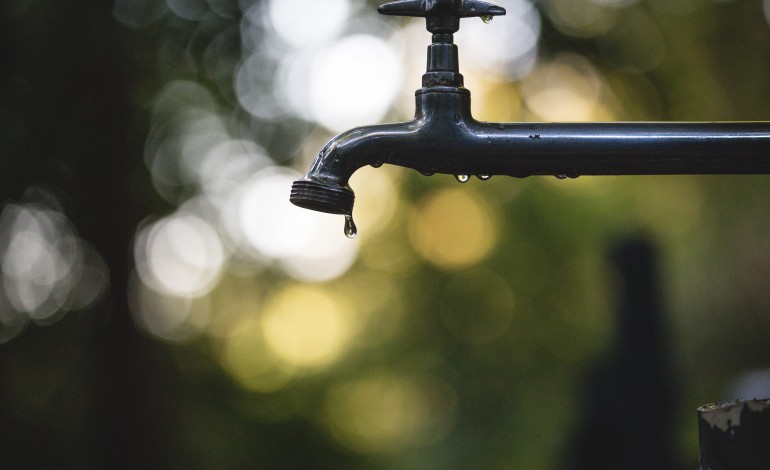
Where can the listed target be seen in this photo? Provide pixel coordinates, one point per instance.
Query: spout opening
(333, 199)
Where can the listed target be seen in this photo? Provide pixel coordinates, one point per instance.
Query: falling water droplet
(487, 19)
(561, 177)
(350, 227)
(483, 177)
(462, 178)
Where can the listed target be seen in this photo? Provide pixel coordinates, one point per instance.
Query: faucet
(444, 138)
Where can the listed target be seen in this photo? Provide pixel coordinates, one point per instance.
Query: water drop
(350, 227)
(376, 164)
(561, 177)
(427, 173)
(462, 178)
(483, 177)
(487, 19)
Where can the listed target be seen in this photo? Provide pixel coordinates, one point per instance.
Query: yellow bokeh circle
(307, 326)
(453, 228)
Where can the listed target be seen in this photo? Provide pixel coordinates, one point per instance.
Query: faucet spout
(442, 120)
(325, 187)
(444, 137)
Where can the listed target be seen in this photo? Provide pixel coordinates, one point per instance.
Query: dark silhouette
(629, 409)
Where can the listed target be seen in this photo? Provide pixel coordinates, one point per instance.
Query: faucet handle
(442, 16)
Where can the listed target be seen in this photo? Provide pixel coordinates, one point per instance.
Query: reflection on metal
(443, 137)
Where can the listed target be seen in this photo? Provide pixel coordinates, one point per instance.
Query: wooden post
(735, 435)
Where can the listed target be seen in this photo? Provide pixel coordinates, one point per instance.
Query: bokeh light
(298, 330)
(135, 13)
(250, 361)
(225, 167)
(35, 261)
(565, 89)
(167, 316)
(581, 18)
(306, 326)
(254, 88)
(190, 10)
(301, 23)
(186, 126)
(180, 255)
(46, 269)
(352, 81)
(388, 413)
(453, 228)
(506, 49)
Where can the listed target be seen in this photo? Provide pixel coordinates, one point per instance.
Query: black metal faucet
(443, 137)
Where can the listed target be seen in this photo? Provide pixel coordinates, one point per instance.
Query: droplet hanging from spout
(462, 178)
(350, 227)
(487, 18)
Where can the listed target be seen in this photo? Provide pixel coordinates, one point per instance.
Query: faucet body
(444, 137)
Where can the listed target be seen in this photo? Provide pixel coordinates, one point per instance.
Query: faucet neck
(442, 103)
(443, 64)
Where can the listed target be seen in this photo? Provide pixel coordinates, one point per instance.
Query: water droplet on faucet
(483, 177)
(376, 164)
(350, 227)
(561, 177)
(462, 178)
(487, 19)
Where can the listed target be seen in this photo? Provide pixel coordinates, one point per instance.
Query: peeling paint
(725, 415)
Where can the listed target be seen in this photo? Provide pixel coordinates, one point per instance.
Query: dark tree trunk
(66, 83)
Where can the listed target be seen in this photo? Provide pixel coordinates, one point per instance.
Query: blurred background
(162, 305)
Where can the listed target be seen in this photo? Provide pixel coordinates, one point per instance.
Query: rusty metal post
(735, 435)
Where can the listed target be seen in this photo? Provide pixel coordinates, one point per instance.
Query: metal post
(735, 435)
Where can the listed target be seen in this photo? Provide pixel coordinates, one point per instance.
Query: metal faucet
(443, 137)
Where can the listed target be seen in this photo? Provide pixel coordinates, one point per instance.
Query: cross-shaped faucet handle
(442, 16)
